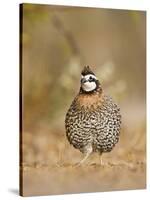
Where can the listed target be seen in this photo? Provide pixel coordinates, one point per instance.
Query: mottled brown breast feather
(90, 101)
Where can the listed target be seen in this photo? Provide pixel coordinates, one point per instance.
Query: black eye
(91, 79)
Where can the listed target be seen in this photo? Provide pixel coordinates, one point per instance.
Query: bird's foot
(79, 164)
(104, 163)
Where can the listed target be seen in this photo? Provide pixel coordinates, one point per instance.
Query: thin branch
(67, 35)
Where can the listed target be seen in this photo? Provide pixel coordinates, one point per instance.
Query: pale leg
(87, 151)
(101, 160)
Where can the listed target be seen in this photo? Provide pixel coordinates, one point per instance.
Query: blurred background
(57, 43)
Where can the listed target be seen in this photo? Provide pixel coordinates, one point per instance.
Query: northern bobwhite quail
(93, 120)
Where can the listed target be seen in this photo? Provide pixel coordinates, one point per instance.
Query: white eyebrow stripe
(88, 76)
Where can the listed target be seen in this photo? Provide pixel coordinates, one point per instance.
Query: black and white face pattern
(88, 82)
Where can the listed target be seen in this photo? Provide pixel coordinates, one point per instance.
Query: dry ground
(49, 165)
(44, 180)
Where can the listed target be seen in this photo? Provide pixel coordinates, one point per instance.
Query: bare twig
(67, 35)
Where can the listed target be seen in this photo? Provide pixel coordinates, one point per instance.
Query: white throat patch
(89, 86)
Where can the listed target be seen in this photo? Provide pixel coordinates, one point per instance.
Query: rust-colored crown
(86, 71)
